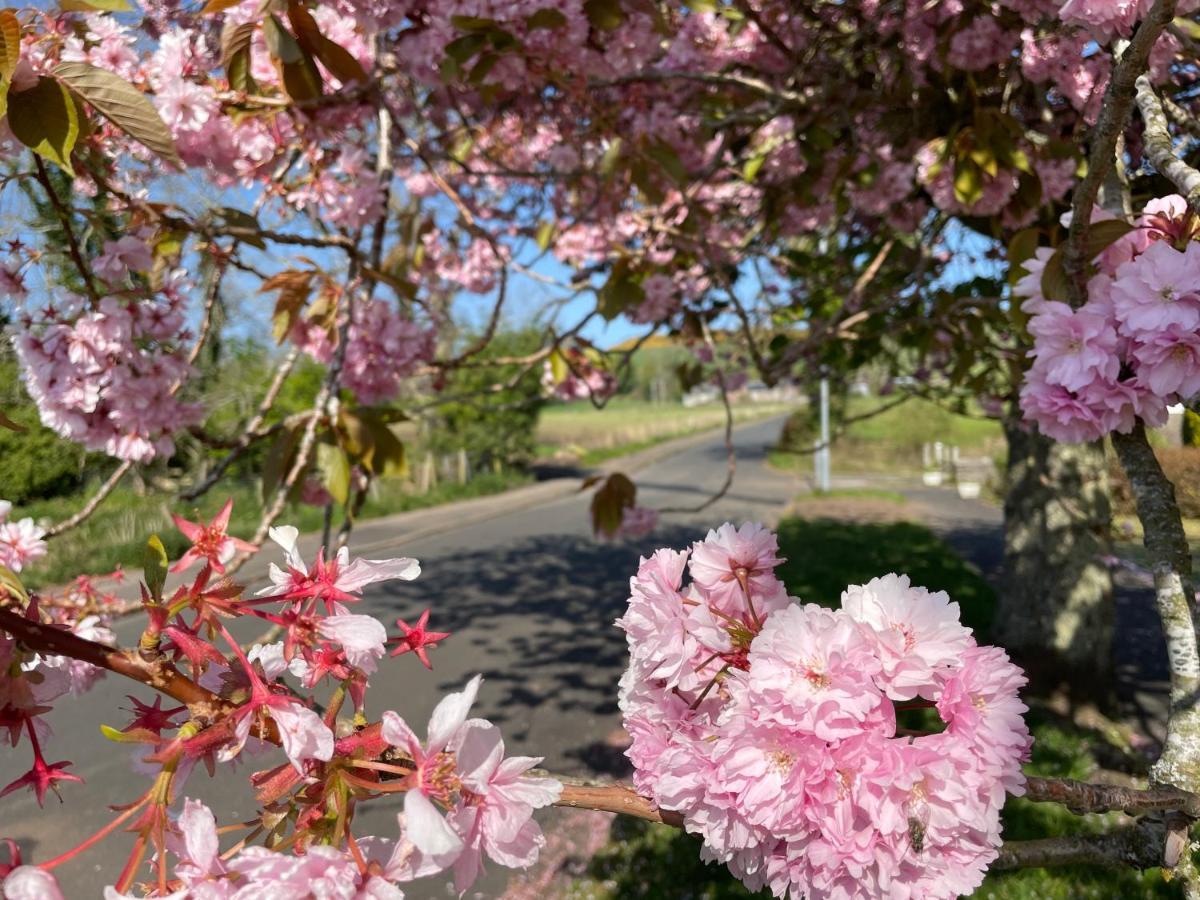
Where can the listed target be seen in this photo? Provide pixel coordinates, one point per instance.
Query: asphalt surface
(530, 598)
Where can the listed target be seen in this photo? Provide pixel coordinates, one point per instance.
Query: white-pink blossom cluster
(383, 348)
(771, 725)
(20, 541)
(107, 375)
(583, 380)
(1133, 348)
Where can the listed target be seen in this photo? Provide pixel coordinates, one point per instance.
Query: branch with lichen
(1159, 147)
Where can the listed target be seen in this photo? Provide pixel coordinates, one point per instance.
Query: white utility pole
(821, 460)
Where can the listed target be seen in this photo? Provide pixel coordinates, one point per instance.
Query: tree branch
(64, 217)
(1114, 113)
(1171, 561)
(92, 505)
(1159, 148)
(1138, 846)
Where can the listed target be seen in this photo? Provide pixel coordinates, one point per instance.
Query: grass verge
(116, 533)
(589, 436)
(823, 556)
(891, 440)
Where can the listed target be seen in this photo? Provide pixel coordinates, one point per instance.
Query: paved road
(530, 598)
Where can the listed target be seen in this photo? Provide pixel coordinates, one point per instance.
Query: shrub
(1181, 465)
(35, 464)
(1191, 428)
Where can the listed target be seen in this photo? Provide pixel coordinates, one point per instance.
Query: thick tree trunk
(1055, 610)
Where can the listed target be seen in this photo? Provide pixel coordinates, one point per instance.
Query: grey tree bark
(1055, 610)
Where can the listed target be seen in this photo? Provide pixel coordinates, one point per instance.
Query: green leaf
(612, 153)
(94, 5)
(11, 584)
(279, 461)
(334, 467)
(605, 15)
(10, 52)
(610, 502)
(1054, 278)
(1100, 235)
(389, 457)
(297, 68)
(986, 160)
(665, 156)
(545, 234)
(235, 55)
(45, 119)
(154, 566)
(545, 18)
(619, 293)
(237, 218)
(463, 48)
(133, 736)
(559, 370)
(122, 104)
(337, 59)
(752, 166)
(356, 437)
(1021, 248)
(280, 42)
(6, 422)
(473, 23)
(968, 183)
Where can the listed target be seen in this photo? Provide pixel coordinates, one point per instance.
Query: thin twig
(251, 432)
(64, 217)
(93, 504)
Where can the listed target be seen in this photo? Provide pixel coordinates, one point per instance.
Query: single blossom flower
(31, 883)
(334, 582)
(362, 638)
(210, 542)
(435, 777)
(498, 817)
(418, 639)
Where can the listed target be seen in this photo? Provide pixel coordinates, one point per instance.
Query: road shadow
(537, 616)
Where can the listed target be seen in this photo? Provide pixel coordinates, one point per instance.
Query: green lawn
(589, 435)
(651, 861)
(116, 533)
(891, 440)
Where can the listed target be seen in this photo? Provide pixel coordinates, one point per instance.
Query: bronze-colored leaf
(122, 104)
(44, 118)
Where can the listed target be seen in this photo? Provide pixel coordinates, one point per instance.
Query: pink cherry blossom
(334, 582)
(919, 631)
(732, 560)
(362, 638)
(122, 256)
(1168, 361)
(1158, 289)
(31, 883)
(1077, 346)
(435, 775)
(497, 819)
(807, 714)
(21, 543)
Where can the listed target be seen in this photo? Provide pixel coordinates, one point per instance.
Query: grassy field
(650, 861)
(891, 440)
(580, 432)
(116, 533)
